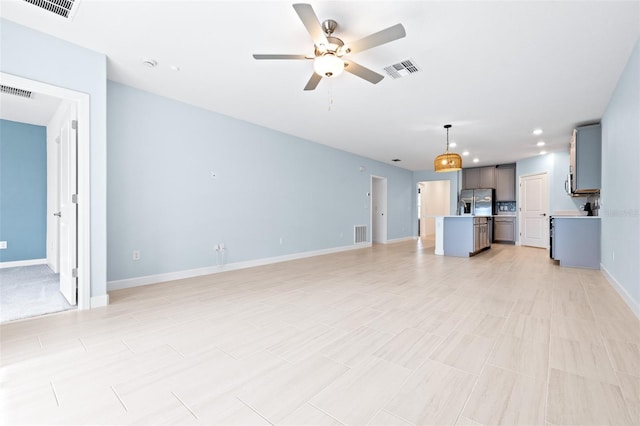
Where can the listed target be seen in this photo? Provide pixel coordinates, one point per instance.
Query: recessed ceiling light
(465, 152)
(175, 68)
(151, 63)
(537, 132)
(541, 143)
(475, 160)
(543, 152)
(453, 144)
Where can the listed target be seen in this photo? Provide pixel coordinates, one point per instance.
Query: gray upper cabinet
(585, 159)
(487, 177)
(470, 178)
(478, 177)
(506, 183)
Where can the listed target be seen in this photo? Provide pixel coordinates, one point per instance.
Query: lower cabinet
(575, 241)
(504, 230)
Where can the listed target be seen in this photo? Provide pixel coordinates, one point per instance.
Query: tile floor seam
(612, 364)
(254, 410)
(548, 377)
(324, 412)
(55, 394)
(185, 405)
(119, 398)
(475, 384)
(511, 370)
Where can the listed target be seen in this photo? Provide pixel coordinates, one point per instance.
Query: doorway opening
(378, 209)
(433, 200)
(67, 262)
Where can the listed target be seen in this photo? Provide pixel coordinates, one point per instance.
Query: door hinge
(74, 124)
(74, 198)
(74, 273)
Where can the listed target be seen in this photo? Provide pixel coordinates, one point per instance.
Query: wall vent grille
(15, 91)
(402, 69)
(359, 234)
(64, 8)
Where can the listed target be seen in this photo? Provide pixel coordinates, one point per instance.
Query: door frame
(423, 199)
(82, 101)
(384, 231)
(521, 214)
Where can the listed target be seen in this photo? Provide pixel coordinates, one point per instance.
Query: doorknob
(59, 214)
(543, 214)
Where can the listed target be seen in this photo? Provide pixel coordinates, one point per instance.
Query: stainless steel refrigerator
(476, 202)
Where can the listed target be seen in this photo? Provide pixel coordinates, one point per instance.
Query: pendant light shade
(449, 161)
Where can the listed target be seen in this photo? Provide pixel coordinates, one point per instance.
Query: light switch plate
(3, 245)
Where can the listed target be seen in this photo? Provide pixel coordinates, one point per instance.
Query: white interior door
(379, 209)
(534, 214)
(53, 200)
(68, 208)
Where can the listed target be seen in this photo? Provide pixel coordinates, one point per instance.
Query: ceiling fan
(329, 51)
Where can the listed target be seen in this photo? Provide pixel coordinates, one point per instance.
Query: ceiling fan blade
(313, 81)
(362, 72)
(376, 39)
(259, 56)
(311, 22)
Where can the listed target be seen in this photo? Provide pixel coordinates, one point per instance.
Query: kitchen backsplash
(506, 207)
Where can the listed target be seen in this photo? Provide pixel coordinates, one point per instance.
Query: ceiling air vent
(64, 8)
(402, 69)
(14, 91)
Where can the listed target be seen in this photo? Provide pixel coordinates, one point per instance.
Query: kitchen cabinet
(504, 230)
(575, 241)
(478, 178)
(465, 236)
(585, 157)
(505, 182)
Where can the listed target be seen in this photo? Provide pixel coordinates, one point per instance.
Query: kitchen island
(462, 236)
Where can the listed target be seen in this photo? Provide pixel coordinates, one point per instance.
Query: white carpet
(28, 291)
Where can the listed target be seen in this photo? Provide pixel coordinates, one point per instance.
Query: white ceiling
(36, 110)
(495, 70)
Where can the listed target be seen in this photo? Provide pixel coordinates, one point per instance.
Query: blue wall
(620, 204)
(23, 191)
(268, 185)
(37, 56)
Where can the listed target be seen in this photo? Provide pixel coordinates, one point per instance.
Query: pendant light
(449, 161)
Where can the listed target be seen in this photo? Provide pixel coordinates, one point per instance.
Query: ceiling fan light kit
(449, 161)
(328, 65)
(329, 50)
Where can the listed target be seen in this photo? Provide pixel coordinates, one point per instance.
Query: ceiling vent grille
(402, 69)
(64, 8)
(14, 91)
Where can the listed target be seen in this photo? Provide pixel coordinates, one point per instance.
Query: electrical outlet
(3, 245)
(136, 255)
(281, 240)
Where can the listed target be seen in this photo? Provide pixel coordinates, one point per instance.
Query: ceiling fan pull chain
(330, 99)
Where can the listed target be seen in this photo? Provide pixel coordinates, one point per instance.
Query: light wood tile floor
(389, 335)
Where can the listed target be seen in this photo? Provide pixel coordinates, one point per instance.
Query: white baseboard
(99, 301)
(179, 275)
(17, 263)
(634, 305)
(400, 240)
